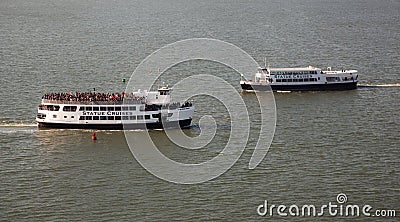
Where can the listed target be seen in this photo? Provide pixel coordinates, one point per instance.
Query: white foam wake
(21, 124)
(379, 85)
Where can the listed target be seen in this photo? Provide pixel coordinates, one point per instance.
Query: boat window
(49, 107)
(278, 80)
(132, 108)
(96, 108)
(72, 117)
(147, 116)
(141, 108)
(103, 117)
(110, 117)
(88, 118)
(117, 108)
(117, 117)
(54, 116)
(295, 80)
(284, 80)
(125, 108)
(96, 117)
(139, 117)
(82, 118)
(332, 79)
(163, 92)
(156, 115)
(103, 108)
(125, 117)
(41, 116)
(69, 108)
(89, 108)
(290, 80)
(306, 80)
(82, 108)
(110, 108)
(132, 117)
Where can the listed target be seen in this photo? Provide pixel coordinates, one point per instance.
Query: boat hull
(308, 87)
(158, 125)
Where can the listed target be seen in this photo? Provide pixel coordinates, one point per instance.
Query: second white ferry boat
(114, 111)
(301, 79)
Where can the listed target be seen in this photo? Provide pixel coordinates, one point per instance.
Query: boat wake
(18, 124)
(17, 127)
(367, 85)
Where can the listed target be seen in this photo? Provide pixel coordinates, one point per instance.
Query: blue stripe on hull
(182, 124)
(309, 87)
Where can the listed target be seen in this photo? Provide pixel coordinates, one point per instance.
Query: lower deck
(111, 126)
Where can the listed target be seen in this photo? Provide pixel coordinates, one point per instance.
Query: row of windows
(114, 117)
(297, 80)
(107, 108)
(292, 72)
(69, 108)
(89, 108)
(49, 107)
(333, 79)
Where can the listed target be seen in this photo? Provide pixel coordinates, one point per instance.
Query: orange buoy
(94, 137)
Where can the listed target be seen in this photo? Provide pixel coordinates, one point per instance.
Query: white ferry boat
(138, 110)
(301, 79)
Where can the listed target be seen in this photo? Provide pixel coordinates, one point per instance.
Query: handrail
(93, 102)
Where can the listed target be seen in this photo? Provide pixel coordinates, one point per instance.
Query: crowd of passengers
(91, 96)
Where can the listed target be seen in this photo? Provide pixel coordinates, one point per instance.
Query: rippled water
(325, 143)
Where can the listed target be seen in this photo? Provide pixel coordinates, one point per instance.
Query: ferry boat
(301, 79)
(137, 110)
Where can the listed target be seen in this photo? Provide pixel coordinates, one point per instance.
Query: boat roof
(293, 69)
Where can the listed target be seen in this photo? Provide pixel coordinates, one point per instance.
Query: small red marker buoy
(94, 137)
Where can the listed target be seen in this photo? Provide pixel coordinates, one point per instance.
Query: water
(325, 143)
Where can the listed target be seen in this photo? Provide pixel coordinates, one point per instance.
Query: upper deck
(160, 97)
(310, 70)
(77, 102)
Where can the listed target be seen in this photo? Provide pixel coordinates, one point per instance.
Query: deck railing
(126, 101)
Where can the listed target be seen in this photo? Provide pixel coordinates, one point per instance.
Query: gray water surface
(325, 143)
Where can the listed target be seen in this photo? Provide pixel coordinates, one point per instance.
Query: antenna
(265, 62)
